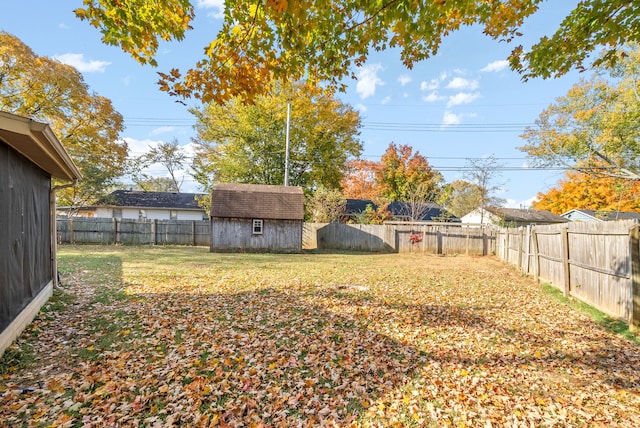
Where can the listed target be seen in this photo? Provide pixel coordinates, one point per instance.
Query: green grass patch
(16, 357)
(609, 323)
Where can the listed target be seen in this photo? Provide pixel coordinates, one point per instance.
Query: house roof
(606, 215)
(432, 211)
(526, 215)
(141, 199)
(257, 201)
(37, 142)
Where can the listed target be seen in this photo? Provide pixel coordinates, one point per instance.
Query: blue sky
(463, 103)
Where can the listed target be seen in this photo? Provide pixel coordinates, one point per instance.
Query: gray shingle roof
(140, 199)
(519, 215)
(257, 201)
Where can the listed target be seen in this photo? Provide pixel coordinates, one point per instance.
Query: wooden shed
(30, 156)
(256, 218)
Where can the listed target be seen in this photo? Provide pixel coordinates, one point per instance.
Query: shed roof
(37, 142)
(141, 199)
(526, 215)
(230, 200)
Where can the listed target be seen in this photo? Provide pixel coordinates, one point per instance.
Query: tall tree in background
(460, 197)
(359, 181)
(287, 40)
(171, 156)
(326, 205)
(245, 143)
(483, 174)
(594, 128)
(86, 123)
(403, 174)
(583, 191)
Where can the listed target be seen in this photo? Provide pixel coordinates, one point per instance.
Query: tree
(359, 180)
(482, 173)
(460, 197)
(590, 192)
(287, 40)
(403, 173)
(245, 143)
(326, 205)
(156, 184)
(594, 128)
(170, 155)
(85, 122)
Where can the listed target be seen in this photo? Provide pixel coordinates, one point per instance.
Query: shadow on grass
(285, 355)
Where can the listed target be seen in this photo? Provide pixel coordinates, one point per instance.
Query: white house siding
(476, 217)
(151, 213)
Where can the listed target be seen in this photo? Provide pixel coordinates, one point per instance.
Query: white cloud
(462, 98)
(433, 97)
(526, 204)
(431, 85)
(404, 79)
(82, 65)
(451, 118)
(140, 147)
(162, 130)
(361, 108)
(386, 100)
(462, 83)
(216, 5)
(368, 80)
(496, 66)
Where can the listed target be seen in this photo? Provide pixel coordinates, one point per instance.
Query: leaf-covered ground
(183, 337)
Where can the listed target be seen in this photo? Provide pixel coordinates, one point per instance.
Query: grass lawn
(177, 336)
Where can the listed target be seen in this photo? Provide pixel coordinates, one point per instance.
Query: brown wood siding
(236, 235)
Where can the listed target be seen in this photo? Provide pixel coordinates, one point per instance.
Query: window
(117, 213)
(173, 215)
(257, 227)
(142, 214)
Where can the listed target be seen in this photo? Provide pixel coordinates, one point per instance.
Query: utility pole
(286, 155)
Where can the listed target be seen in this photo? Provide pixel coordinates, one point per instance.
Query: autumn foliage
(183, 337)
(582, 191)
(400, 175)
(322, 41)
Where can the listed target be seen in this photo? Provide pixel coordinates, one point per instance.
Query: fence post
(527, 248)
(72, 233)
(536, 257)
(565, 261)
(634, 310)
(520, 247)
(154, 232)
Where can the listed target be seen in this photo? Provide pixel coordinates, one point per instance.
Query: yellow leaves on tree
(582, 191)
(323, 40)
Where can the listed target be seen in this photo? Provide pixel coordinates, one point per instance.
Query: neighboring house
(256, 218)
(401, 211)
(140, 205)
(511, 217)
(30, 156)
(598, 215)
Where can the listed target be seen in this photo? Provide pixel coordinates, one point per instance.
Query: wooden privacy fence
(595, 262)
(132, 232)
(433, 238)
